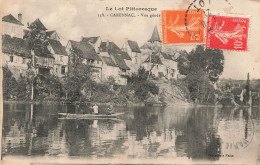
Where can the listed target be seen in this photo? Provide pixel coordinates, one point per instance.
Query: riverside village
(139, 101)
(38, 67)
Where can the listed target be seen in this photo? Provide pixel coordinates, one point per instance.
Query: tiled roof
(16, 46)
(43, 52)
(11, 19)
(92, 40)
(166, 56)
(120, 62)
(146, 46)
(113, 48)
(39, 24)
(125, 56)
(108, 61)
(155, 59)
(57, 47)
(155, 36)
(134, 46)
(49, 33)
(86, 50)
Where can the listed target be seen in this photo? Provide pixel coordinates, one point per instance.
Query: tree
(37, 41)
(209, 60)
(78, 80)
(141, 85)
(202, 68)
(247, 93)
(9, 83)
(199, 86)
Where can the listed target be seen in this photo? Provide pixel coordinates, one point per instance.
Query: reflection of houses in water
(105, 131)
(14, 139)
(57, 140)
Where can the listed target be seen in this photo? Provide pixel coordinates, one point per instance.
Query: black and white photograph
(130, 82)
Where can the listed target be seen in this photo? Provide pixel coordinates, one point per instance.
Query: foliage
(47, 86)
(22, 88)
(209, 60)
(202, 67)
(139, 83)
(201, 90)
(78, 79)
(9, 83)
(247, 93)
(36, 38)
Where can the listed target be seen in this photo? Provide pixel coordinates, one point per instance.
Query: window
(56, 70)
(63, 70)
(157, 66)
(24, 60)
(11, 58)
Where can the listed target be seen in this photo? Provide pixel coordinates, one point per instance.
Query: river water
(202, 133)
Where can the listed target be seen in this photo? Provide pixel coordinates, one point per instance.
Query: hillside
(174, 93)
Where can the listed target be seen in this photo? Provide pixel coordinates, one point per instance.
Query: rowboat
(88, 116)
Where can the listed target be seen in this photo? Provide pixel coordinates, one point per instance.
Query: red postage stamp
(226, 32)
(182, 26)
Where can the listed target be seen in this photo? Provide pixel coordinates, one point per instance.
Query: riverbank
(170, 94)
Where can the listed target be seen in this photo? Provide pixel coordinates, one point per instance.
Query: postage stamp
(227, 32)
(180, 27)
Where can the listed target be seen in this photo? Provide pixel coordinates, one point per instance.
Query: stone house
(15, 54)
(154, 64)
(132, 48)
(153, 55)
(94, 41)
(12, 26)
(60, 67)
(111, 50)
(87, 53)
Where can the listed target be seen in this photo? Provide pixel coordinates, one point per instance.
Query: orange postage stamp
(182, 26)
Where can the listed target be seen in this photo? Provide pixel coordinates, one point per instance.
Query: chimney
(20, 17)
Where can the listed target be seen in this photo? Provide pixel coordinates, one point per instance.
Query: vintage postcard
(130, 82)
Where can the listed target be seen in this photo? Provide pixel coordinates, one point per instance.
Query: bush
(141, 86)
(9, 84)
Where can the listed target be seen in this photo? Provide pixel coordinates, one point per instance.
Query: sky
(73, 19)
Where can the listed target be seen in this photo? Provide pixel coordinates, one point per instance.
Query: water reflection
(147, 132)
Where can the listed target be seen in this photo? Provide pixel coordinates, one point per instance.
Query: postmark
(237, 132)
(227, 32)
(206, 6)
(175, 23)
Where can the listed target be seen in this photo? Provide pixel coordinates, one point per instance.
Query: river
(202, 133)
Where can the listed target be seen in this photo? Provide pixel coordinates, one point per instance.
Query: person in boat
(95, 109)
(110, 110)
